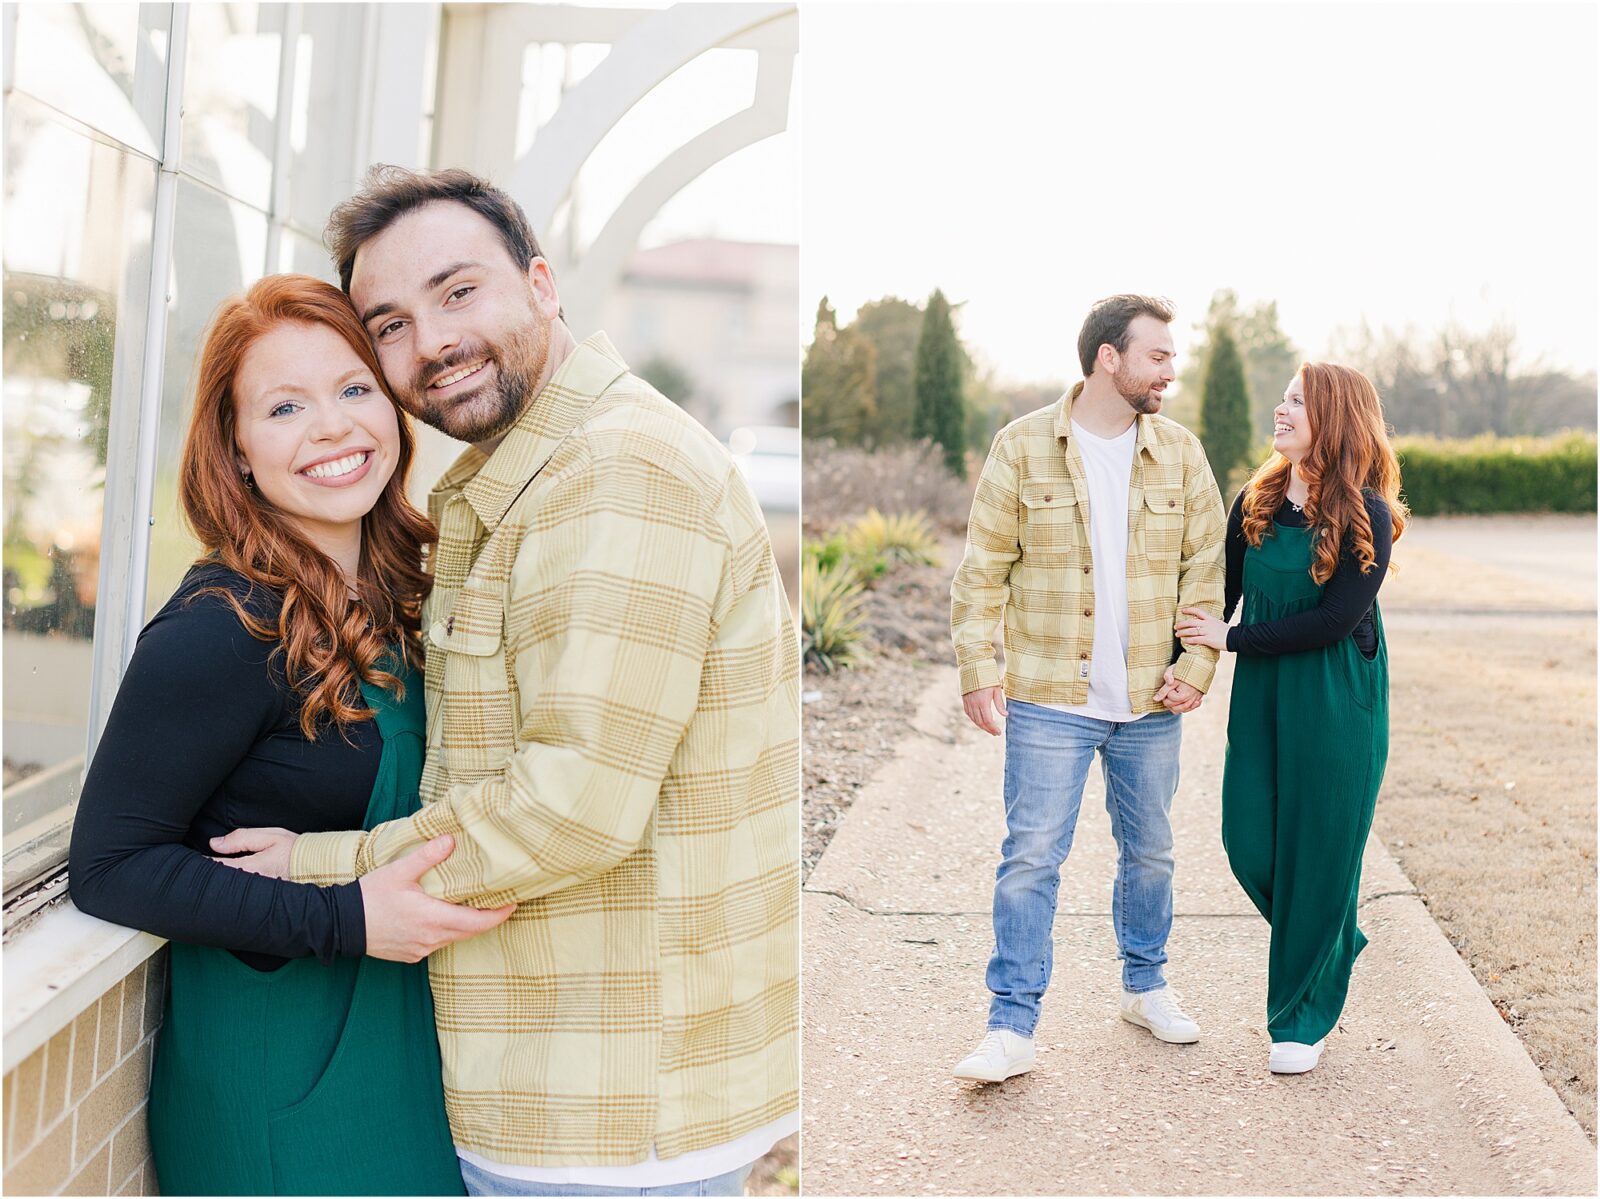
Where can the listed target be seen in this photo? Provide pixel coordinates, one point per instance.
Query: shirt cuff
(985, 672)
(1196, 670)
(325, 859)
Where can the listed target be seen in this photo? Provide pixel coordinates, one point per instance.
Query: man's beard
(1137, 392)
(492, 407)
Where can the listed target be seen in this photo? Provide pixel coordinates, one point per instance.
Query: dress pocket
(1366, 677)
(373, 1123)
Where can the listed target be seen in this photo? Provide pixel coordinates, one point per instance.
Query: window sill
(56, 967)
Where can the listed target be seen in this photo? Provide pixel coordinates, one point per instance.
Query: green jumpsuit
(1308, 737)
(309, 1079)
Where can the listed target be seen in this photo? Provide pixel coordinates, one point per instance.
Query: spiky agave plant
(903, 537)
(831, 615)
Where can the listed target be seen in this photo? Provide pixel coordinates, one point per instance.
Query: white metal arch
(607, 256)
(482, 65)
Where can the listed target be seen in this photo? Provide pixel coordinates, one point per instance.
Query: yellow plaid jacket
(1028, 558)
(613, 740)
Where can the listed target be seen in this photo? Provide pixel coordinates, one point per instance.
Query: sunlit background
(1409, 187)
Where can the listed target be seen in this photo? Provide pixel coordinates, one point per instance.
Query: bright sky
(1404, 163)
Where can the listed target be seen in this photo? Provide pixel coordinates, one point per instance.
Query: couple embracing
(545, 734)
(1099, 537)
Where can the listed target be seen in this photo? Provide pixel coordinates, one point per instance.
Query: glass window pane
(230, 97)
(87, 209)
(303, 256)
(218, 249)
(104, 64)
(325, 113)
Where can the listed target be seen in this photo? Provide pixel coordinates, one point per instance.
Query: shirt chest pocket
(480, 704)
(1163, 523)
(1048, 531)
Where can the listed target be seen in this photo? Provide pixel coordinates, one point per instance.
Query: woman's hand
(1199, 627)
(404, 922)
(265, 850)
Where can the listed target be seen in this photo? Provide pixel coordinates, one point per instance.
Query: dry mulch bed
(853, 719)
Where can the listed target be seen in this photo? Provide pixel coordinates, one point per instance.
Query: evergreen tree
(941, 412)
(837, 381)
(1225, 409)
(892, 325)
(1270, 359)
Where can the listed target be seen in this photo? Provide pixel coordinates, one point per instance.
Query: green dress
(1308, 738)
(309, 1079)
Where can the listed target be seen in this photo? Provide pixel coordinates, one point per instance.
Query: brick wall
(75, 1110)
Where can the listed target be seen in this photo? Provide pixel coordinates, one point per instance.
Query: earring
(249, 480)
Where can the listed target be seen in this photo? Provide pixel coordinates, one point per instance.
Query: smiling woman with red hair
(1308, 722)
(280, 686)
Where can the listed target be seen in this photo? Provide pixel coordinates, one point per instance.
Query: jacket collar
(1145, 440)
(491, 483)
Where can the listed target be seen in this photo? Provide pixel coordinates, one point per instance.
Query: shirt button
(1084, 656)
(1048, 498)
(1088, 611)
(1172, 503)
(1085, 570)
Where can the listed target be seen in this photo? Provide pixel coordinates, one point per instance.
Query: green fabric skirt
(309, 1079)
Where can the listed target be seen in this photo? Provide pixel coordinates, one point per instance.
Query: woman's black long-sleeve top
(205, 738)
(1345, 609)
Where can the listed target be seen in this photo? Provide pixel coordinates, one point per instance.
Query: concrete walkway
(1422, 1089)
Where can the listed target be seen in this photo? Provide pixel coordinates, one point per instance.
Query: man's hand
(1177, 695)
(404, 922)
(266, 850)
(986, 708)
(1199, 627)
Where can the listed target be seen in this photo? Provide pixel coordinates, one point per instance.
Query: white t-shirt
(1107, 469)
(693, 1166)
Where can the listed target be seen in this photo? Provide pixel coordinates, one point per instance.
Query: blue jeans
(481, 1182)
(1047, 760)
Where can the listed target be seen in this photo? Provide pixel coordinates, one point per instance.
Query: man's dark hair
(389, 192)
(1108, 321)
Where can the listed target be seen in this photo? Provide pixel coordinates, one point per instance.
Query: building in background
(161, 157)
(708, 322)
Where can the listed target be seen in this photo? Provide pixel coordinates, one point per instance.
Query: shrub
(1498, 474)
(831, 615)
(841, 482)
(835, 554)
(882, 539)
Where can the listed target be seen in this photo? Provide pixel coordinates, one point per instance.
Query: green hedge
(1490, 474)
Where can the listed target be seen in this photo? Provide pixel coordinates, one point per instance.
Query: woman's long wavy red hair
(1350, 453)
(328, 639)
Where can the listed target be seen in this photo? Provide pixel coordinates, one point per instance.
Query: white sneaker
(1159, 1012)
(1291, 1057)
(1000, 1055)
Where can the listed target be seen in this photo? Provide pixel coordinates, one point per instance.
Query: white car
(769, 458)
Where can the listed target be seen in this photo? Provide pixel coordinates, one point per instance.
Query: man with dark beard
(1095, 520)
(613, 730)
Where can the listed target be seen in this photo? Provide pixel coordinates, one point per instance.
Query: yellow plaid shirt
(613, 740)
(1028, 558)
